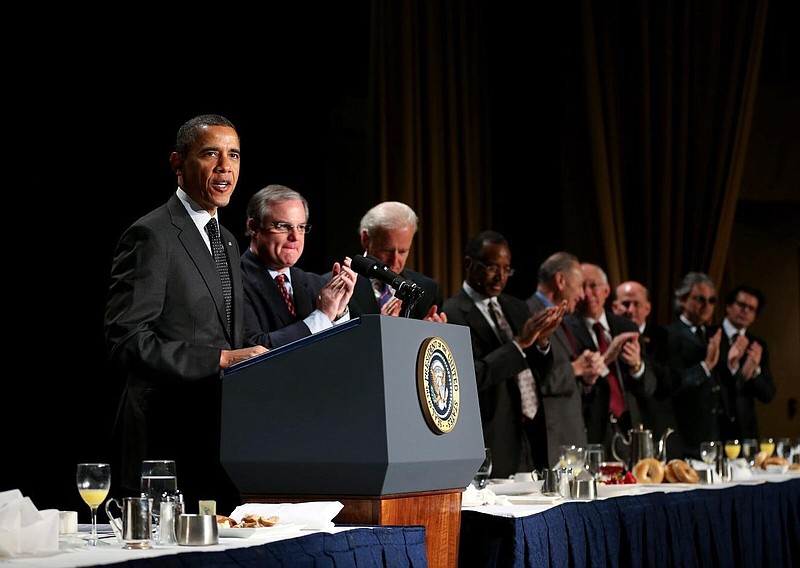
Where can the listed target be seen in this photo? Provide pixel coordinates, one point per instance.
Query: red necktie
(615, 402)
(281, 278)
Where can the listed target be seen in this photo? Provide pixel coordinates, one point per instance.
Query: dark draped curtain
(657, 107)
(668, 90)
(430, 126)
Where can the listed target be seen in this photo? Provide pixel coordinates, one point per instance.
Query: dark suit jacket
(267, 319)
(165, 325)
(364, 301)
(697, 403)
(595, 402)
(740, 394)
(497, 365)
(561, 393)
(663, 354)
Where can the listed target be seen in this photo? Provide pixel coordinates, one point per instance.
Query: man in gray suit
(171, 328)
(561, 281)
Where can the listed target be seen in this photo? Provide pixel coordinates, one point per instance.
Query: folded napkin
(741, 473)
(697, 465)
(473, 497)
(23, 529)
(313, 515)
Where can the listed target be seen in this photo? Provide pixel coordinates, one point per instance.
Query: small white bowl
(776, 468)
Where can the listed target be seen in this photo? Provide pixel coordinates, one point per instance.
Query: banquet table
(343, 546)
(749, 523)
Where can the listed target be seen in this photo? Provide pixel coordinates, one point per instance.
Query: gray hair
(603, 275)
(557, 262)
(387, 216)
(690, 281)
(260, 205)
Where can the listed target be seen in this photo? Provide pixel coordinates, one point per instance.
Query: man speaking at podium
(174, 318)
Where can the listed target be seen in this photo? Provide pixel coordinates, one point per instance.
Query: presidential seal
(437, 385)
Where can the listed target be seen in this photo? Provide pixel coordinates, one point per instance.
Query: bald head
(632, 301)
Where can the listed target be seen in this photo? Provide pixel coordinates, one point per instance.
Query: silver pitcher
(640, 442)
(556, 481)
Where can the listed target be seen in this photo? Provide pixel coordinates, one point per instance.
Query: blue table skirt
(377, 547)
(743, 525)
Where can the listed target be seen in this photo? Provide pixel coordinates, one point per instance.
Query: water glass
(159, 477)
(594, 457)
(484, 471)
(709, 451)
(573, 457)
(783, 448)
(749, 450)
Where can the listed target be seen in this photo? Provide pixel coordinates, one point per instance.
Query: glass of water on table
(484, 471)
(158, 477)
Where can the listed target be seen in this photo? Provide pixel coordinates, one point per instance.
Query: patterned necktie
(222, 265)
(386, 293)
(616, 403)
(281, 278)
(525, 380)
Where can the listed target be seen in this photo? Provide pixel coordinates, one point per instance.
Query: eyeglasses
(745, 306)
(281, 227)
(629, 303)
(493, 269)
(704, 300)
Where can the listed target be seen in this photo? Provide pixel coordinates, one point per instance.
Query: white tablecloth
(531, 503)
(72, 553)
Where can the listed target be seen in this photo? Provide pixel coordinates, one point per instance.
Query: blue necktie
(386, 295)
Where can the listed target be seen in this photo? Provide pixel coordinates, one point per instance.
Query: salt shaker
(723, 469)
(179, 504)
(563, 481)
(166, 525)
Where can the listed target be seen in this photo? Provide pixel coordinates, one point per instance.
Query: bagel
(648, 470)
(669, 475)
(775, 460)
(683, 471)
(760, 458)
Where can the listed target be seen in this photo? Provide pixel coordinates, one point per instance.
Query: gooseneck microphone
(371, 267)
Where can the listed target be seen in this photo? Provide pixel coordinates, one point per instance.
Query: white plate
(616, 489)
(260, 531)
(516, 488)
(535, 499)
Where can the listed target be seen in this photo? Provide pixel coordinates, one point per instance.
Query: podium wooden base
(438, 511)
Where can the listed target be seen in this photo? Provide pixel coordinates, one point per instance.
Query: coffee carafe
(640, 442)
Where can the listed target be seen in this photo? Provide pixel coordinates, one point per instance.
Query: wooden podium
(360, 414)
